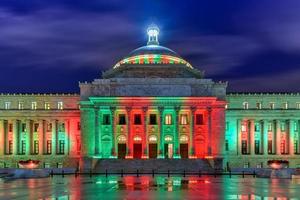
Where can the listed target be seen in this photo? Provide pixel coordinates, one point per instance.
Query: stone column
(176, 138)
(192, 134)
(146, 148)
(291, 138)
(16, 136)
(28, 143)
(41, 134)
(54, 137)
(113, 139)
(209, 149)
(278, 134)
(239, 137)
(161, 135)
(129, 136)
(252, 137)
(97, 131)
(2, 138)
(265, 137)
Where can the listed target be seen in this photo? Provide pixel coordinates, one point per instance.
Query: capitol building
(152, 104)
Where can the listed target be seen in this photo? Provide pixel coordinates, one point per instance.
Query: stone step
(146, 166)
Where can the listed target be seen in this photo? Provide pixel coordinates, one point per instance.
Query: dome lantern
(153, 32)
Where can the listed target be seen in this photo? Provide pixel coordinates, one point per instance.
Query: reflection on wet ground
(146, 187)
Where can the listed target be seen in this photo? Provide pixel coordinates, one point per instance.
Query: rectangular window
(23, 147)
(23, 127)
(168, 119)
(47, 106)
(10, 147)
(106, 119)
(137, 119)
(153, 120)
(60, 105)
(49, 147)
(226, 145)
(183, 119)
(10, 127)
(282, 126)
(282, 147)
(78, 143)
(243, 128)
(36, 127)
(21, 105)
(246, 105)
(199, 119)
(36, 147)
(285, 105)
(258, 105)
(78, 126)
(244, 147)
(7, 105)
(296, 146)
(298, 105)
(49, 127)
(34, 105)
(122, 119)
(61, 127)
(270, 146)
(256, 147)
(227, 126)
(61, 146)
(257, 127)
(270, 126)
(272, 105)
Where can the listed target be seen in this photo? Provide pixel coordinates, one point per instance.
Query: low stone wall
(147, 165)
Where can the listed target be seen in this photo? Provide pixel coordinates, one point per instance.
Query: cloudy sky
(48, 46)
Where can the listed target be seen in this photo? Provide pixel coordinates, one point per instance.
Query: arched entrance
(168, 147)
(122, 147)
(137, 147)
(184, 146)
(152, 146)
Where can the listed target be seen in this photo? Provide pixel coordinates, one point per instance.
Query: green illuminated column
(265, 136)
(113, 150)
(239, 138)
(291, 138)
(252, 137)
(209, 150)
(192, 134)
(54, 137)
(67, 137)
(15, 137)
(277, 137)
(146, 150)
(28, 138)
(41, 134)
(87, 118)
(161, 135)
(97, 132)
(176, 134)
(129, 138)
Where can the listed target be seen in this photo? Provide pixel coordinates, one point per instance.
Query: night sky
(49, 46)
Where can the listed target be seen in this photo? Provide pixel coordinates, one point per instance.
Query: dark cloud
(48, 46)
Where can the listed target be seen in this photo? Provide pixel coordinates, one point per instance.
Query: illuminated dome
(152, 53)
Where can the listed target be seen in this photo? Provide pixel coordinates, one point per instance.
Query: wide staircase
(147, 166)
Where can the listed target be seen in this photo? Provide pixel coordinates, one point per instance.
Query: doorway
(153, 150)
(137, 151)
(168, 150)
(121, 151)
(184, 151)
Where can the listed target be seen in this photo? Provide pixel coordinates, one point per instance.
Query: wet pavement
(146, 187)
